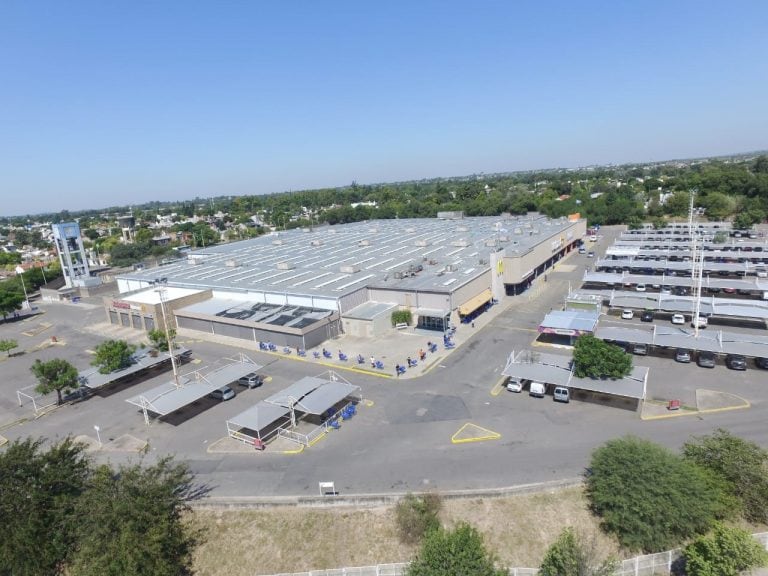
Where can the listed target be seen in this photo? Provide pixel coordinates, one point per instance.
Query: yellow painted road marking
(298, 450)
(476, 434)
(368, 403)
(695, 412)
(316, 440)
(498, 387)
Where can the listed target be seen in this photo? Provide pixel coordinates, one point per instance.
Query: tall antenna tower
(697, 264)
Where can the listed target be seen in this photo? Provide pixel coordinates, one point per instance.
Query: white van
(538, 389)
(562, 394)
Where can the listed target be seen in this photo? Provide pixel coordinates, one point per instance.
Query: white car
(515, 385)
(627, 314)
(702, 322)
(678, 319)
(640, 288)
(761, 273)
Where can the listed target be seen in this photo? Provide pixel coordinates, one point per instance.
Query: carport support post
(144, 409)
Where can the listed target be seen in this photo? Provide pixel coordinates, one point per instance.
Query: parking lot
(401, 438)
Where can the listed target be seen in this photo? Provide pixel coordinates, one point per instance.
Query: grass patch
(517, 529)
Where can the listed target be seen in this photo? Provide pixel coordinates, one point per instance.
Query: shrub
(727, 551)
(650, 498)
(457, 552)
(573, 554)
(740, 463)
(402, 317)
(417, 515)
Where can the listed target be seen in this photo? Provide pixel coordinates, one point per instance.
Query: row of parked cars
(538, 389)
(704, 359)
(677, 319)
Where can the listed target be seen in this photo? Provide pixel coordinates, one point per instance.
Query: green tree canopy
(457, 552)
(54, 375)
(650, 498)
(10, 299)
(742, 464)
(595, 358)
(38, 493)
(158, 340)
(130, 522)
(727, 551)
(575, 555)
(113, 355)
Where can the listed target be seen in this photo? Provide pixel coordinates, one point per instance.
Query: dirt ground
(517, 529)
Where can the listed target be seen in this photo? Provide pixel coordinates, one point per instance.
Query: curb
(374, 499)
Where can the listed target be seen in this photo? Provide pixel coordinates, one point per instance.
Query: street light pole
(20, 273)
(160, 289)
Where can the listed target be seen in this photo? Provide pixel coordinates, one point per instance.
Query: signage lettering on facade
(119, 304)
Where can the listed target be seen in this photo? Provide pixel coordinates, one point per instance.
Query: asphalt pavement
(401, 438)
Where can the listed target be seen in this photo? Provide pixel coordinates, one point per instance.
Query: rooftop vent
(316, 243)
(421, 243)
(232, 263)
(349, 269)
(503, 238)
(490, 242)
(461, 243)
(285, 265)
(462, 229)
(517, 231)
(451, 268)
(277, 242)
(364, 243)
(483, 262)
(410, 230)
(194, 260)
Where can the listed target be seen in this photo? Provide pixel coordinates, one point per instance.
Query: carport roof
(259, 416)
(554, 369)
(169, 397)
(581, 320)
(296, 391)
(92, 378)
(326, 396)
(720, 342)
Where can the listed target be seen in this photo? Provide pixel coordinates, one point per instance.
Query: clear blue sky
(105, 103)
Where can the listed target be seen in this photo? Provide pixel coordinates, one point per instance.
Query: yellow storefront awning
(475, 302)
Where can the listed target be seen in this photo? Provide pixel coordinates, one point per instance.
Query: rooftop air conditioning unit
(421, 243)
(410, 230)
(451, 267)
(364, 243)
(517, 231)
(285, 265)
(483, 262)
(398, 275)
(461, 243)
(194, 260)
(349, 269)
(232, 263)
(316, 243)
(490, 242)
(432, 262)
(462, 229)
(277, 242)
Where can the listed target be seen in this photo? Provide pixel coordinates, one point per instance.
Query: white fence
(646, 565)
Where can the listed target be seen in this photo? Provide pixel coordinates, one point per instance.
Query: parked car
(761, 363)
(561, 394)
(640, 288)
(515, 385)
(582, 250)
(706, 360)
(736, 362)
(678, 319)
(627, 314)
(590, 254)
(223, 393)
(646, 316)
(683, 355)
(251, 380)
(640, 349)
(666, 289)
(702, 322)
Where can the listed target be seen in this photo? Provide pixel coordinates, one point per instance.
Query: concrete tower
(74, 263)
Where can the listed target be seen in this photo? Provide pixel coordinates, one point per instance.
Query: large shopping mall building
(301, 287)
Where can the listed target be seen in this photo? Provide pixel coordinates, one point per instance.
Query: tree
(8, 345)
(743, 465)
(113, 355)
(727, 551)
(10, 300)
(574, 555)
(158, 340)
(457, 552)
(595, 358)
(650, 498)
(55, 375)
(131, 521)
(38, 493)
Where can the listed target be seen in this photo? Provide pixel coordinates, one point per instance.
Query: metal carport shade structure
(557, 370)
(310, 395)
(169, 397)
(94, 379)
